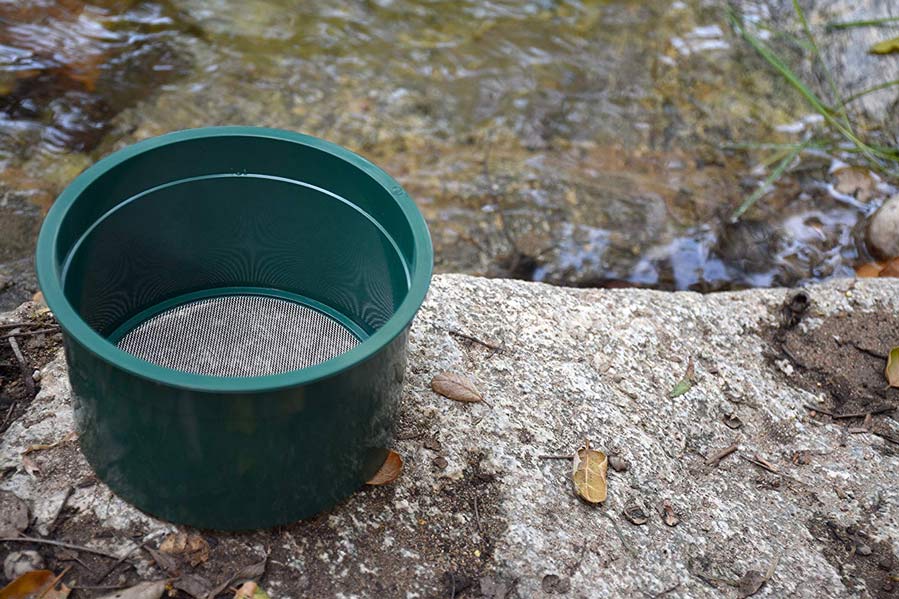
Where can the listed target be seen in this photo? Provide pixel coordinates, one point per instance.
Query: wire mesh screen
(239, 335)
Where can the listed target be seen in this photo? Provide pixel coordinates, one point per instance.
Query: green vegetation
(882, 159)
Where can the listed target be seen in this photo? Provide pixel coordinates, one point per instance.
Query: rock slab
(481, 511)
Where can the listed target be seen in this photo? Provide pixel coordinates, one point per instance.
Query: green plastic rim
(49, 272)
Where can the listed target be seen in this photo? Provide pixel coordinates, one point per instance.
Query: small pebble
(441, 462)
(881, 237)
(36, 375)
(863, 550)
(618, 463)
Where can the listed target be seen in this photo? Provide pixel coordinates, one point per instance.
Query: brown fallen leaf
(591, 468)
(192, 547)
(635, 513)
(193, 584)
(869, 270)
(166, 562)
(30, 466)
(886, 46)
(456, 387)
(668, 515)
(892, 369)
(389, 471)
(686, 383)
(890, 269)
(144, 590)
(13, 514)
(753, 580)
(247, 572)
(36, 584)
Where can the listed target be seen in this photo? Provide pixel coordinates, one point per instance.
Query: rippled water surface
(584, 143)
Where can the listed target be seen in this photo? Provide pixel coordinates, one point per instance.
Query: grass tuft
(884, 160)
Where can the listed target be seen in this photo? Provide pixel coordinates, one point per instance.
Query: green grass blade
(816, 103)
(835, 25)
(817, 55)
(871, 90)
(774, 176)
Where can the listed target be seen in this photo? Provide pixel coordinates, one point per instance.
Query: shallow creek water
(588, 143)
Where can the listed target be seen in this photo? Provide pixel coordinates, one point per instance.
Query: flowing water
(590, 143)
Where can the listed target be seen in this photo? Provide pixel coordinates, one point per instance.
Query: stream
(583, 143)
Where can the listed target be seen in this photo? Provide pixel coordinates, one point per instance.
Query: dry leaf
(456, 387)
(250, 590)
(890, 269)
(193, 584)
(668, 515)
(192, 547)
(36, 584)
(247, 572)
(389, 471)
(886, 46)
(686, 383)
(892, 369)
(30, 466)
(28, 585)
(590, 470)
(752, 581)
(144, 590)
(13, 514)
(869, 270)
(166, 562)
(635, 513)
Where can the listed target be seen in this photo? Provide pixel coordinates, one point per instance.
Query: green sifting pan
(235, 303)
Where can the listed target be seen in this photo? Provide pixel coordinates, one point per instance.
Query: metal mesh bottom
(238, 335)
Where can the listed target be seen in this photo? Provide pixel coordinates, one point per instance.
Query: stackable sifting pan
(234, 303)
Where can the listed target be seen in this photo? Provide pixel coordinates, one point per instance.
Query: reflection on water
(577, 142)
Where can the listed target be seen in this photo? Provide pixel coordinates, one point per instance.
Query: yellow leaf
(590, 470)
(250, 590)
(892, 370)
(686, 383)
(456, 387)
(886, 46)
(390, 470)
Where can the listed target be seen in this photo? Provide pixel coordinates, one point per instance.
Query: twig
(101, 587)
(118, 563)
(16, 325)
(31, 333)
(875, 411)
(887, 437)
(865, 414)
(556, 457)
(674, 587)
(58, 544)
(52, 584)
(618, 532)
(819, 410)
(719, 455)
(471, 339)
(762, 463)
(8, 415)
(477, 515)
(52, 525)
(23, 367)
(869, 352)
